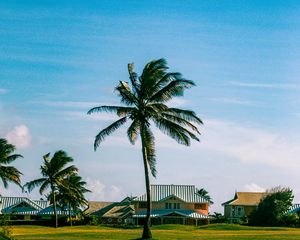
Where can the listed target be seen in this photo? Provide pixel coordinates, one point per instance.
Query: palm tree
(203, 193)
(8, 173)
(71, 194)
(145, 102)
(53, 170)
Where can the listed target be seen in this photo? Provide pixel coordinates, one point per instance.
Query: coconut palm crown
(7, 156)
(145, 101)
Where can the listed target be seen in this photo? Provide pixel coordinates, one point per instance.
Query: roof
(246, 198)
(94, 206)
(295, 208)
(187, 193)
(117, 210)
(166, 212)
(50, 211)
(21, 205)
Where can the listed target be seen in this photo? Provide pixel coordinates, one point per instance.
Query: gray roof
(187, 193)
(166, 212)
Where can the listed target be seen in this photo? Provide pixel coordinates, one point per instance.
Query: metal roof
(13, 205)
(50, 211)
(295, 208)
(187, 193)
(166, 212)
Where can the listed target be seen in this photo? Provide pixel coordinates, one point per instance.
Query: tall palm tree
(53, 170)
(145, 102)
(8, 173)
(71, 194)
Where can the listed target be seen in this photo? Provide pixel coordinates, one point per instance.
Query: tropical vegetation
(7, 156)
(54, 170)
(273, 209)
(146, 100)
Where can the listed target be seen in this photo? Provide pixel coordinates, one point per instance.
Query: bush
(272, 209)
(5, 231)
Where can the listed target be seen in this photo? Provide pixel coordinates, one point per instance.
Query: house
(22, 208)
(238, 209)
(172, 204)
(115, 212)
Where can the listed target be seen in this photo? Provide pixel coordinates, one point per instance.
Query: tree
(7, 156)
(203, 193)
(71, 194)
(145, 99)
(53, 170)
(272, 208)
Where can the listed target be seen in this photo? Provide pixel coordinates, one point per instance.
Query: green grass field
(209, 232)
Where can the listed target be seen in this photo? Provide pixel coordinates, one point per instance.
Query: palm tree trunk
(147, 231)
(54, 207)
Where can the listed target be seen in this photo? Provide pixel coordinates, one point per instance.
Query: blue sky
(57, 60)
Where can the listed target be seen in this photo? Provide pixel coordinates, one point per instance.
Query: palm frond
(108, 130)
(180, 121)
(127, 96)
(175, 131)
(188, 115)
(133, 131)
(173, 89)
(134, 78)
(65, 172)
(150, 149)
(119, 110)
(35, 183)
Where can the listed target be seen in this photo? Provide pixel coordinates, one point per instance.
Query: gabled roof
(117, 210)
(186, 193)
(95, 206)
(246, 199)
(10, 205)
(166, 212)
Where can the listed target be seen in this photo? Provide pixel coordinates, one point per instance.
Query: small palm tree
(8, 173)
(145, 102)
(203, 193)
(71, 194)
(53, 170)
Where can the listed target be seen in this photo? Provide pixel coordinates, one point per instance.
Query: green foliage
(8, 173)
(218, 218)
(272, 210)
(204, 194)
(5, 231)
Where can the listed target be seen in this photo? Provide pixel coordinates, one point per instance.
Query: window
(168, 205)
(239, 211)
(143, 205)
(198, 206)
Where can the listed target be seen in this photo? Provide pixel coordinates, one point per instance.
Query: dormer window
(172, 205)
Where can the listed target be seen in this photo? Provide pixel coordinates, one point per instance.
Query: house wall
(203, 207)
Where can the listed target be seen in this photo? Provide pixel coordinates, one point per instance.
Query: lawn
(210, 232)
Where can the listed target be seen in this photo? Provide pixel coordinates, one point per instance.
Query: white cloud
(177, 102)
(19, 136)
(101, 192)
(253, 187)
(266, 85)
(3, 91)
(250, 145)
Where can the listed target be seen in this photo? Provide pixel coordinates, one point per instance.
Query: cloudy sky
(57, 60)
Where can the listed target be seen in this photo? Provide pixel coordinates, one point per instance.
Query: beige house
(173, 204)
(238, 209)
